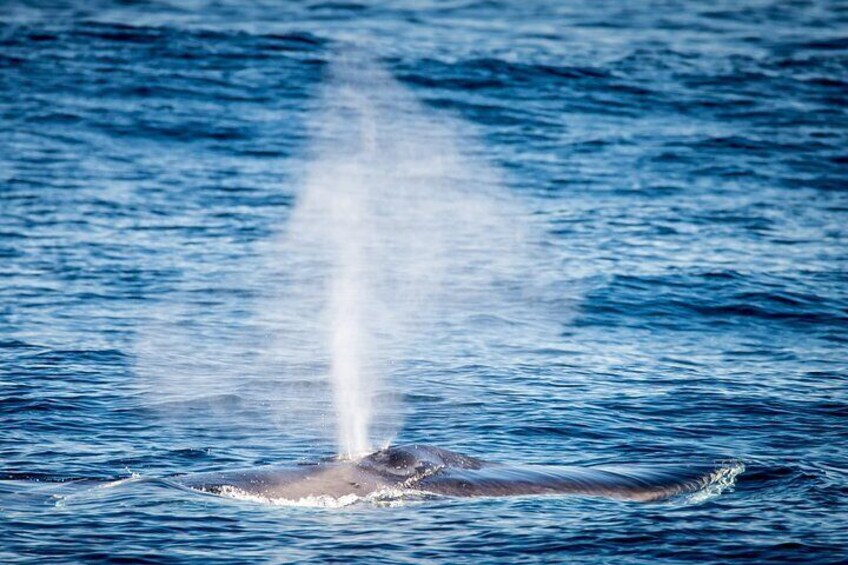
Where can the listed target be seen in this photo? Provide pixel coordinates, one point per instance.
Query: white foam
(722, 480)
(385, 497)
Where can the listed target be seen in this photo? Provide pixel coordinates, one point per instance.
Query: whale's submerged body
(428, 469)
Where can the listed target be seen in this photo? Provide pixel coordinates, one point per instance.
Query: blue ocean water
(686, 163)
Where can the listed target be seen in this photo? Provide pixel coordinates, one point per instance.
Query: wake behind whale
(430, 470)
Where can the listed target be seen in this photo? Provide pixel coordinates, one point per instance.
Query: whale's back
(629, 482)
(433, 470)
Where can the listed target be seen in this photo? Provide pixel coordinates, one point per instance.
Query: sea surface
(684, 165)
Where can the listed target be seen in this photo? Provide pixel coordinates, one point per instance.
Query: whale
(431, 470)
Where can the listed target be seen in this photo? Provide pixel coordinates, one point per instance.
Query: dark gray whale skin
(429, 469)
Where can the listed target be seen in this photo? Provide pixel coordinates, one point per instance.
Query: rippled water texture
(680, 169)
